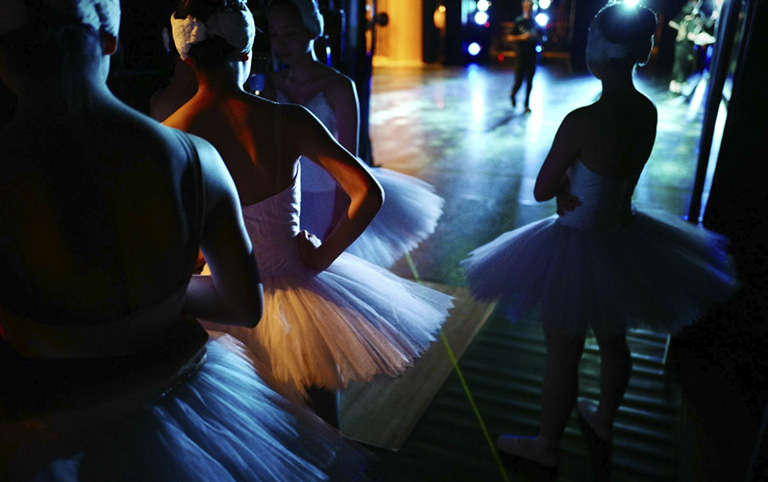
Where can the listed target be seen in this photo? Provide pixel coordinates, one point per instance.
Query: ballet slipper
(597, 441)
(525, 454)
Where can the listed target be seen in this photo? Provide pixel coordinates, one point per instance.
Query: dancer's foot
(514, 101)
(533, 449)
(527, 110)
(597, 435)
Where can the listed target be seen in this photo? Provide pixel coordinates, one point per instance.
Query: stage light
(474, 49)
(542, 19)
(544, 4)
(481, 18)
(630, 3)
(483, 5)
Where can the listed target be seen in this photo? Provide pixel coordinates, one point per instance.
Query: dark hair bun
(626, 25)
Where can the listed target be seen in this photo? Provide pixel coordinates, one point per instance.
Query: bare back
(253, 137)
(617, 134)
(94, 225)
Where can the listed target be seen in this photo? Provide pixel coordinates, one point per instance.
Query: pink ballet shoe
(520, 454)
(599, 448)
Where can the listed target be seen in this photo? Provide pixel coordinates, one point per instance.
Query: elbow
(374, 196)
(251, 312)
(540, 194)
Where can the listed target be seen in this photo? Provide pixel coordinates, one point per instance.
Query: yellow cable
(455, 363)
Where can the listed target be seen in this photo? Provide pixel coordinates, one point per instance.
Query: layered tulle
(350, 322)
(655, 271)
(222, 424)
(409, 216)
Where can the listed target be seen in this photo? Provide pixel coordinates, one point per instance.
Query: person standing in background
(525, 35)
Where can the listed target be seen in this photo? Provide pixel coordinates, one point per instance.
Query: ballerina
(601, 264)
(106, 374)
(330, 317)
(411, 210)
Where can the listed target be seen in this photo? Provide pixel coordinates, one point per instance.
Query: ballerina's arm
(553, 176)
(233, 293)
(345, 104)
(366, 196)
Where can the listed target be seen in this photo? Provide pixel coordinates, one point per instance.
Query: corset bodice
(273, 226)
(605, 201)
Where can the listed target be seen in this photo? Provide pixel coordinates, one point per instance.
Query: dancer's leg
(558, 396)
(561, 384)
(615, 369)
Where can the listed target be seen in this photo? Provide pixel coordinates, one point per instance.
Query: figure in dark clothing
(525, 34)
(688, 24)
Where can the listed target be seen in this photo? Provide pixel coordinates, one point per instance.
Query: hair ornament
(101, 15)
(310, 16)
(601, 49)
(235, 26)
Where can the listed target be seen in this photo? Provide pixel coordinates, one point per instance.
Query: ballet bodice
(606, 201)
(273, 226)
(319, 106)
(314, 178)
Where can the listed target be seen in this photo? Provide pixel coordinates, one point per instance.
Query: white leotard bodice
(314, 178)
(605, 201)
(273, 226)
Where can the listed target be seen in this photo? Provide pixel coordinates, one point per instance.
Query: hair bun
(627, 25)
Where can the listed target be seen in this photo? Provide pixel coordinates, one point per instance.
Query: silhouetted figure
(688, 24)
(411, 210)
(526, 35)
(106, 373)
(600, 264)
(330, 317)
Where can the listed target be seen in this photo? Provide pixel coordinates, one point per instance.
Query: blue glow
(474, 49)
(481, 18)
(542, 19)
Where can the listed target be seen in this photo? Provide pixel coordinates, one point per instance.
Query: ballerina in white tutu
(330, 317)
(601, 264)
(106, 375)
(411, 210)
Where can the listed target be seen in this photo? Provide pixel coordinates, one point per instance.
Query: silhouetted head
(307, 10)
(527, 7)
(212, 31)
(67, 40)
(293, 27)
(620, 36)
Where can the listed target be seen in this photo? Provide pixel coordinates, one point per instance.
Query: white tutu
(350, 322)
(222, 424)
(409, 216)
(323, 329)
(653, 271)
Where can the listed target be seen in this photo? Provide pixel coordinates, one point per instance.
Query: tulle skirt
(350, 322)
(222, 424)
(657, 272)
(408, 216)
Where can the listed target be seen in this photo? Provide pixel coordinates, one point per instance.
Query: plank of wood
(383, 412)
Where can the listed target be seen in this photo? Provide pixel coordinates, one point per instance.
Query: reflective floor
(456, 128)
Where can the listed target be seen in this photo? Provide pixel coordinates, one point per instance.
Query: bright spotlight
(542, 19)
(474, 49)
(544, 4)
(481, 18)
(630, 3)
(483, 5)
